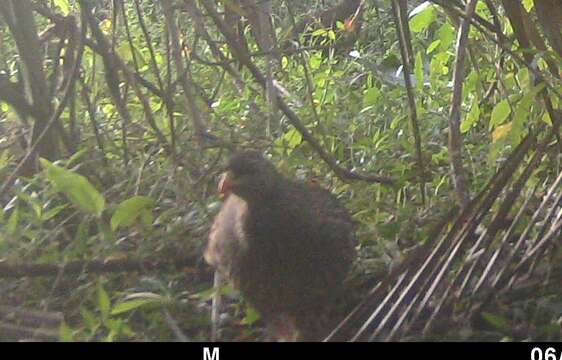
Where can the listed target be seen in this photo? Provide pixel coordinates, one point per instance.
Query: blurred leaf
(501, 131)
(13, 221)
(446, 34)
(319, 32)
(371, 96)
(497, 321)
(423, 16)
(252, 315)
(89, 318)
(65, 333)
(126, 306)
(433, 46)
(4, 159)
(104, 303)
(63, 5)
(418, 71)
(472, 118)
(522, 111)
(105, 26)
(293, 138)
(131, 209)
(499, 114)
(53, 212)
(528, 5)
(76, 187)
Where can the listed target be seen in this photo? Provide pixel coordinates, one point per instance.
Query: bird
(286, 246)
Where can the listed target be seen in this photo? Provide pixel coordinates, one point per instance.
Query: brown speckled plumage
(286, 246)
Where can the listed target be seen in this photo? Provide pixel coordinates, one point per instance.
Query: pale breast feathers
(226, 238)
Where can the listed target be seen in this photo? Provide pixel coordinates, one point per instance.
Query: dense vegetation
(116, 117)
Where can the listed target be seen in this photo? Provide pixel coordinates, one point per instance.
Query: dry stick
(504, 42)
(18, 16)
(407, 63)
(30, 317)
(363, 309)
(494, 188)
(462, 219)
(73, 75)
(96, 267)
(504, 242)
(523, 237)
(455, 138)
(16, 332)
(115, 62)
(168, 104)
(199, 25)
(309, 83)
(112, 80)
(293, 118)
(90, 109)
(549, 14)
(173, 324)
(266, 38)
(528, 36)
(548, 220)
(464, 225)
(166, 95)
(185, 80)
(484, 239)
(538, 245)
(499, 217)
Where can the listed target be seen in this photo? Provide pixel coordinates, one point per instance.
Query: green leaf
(64, 6)
(446, 34)
(500, 113)
(131, 209)
(422, 19)
(546, 119)
(53, 212)
(319, 32)
(89, 318)
(433, 46)
(472, 118)
(501, 131)
(522, 112)
(13, 221)
(65, 333)
(104, 303)
(418, 71)
(293, 138)
(126, 306)
(77, 156)
(371, 96)
(497, 321)
(252, 315)
(396, 121)
(76, 187)
(528, 5)
(4, 159)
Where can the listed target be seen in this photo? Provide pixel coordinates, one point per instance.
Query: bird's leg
(216, 305)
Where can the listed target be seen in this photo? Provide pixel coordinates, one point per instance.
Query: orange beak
(225, 184)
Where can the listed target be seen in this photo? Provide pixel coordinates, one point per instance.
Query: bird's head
(249, 175)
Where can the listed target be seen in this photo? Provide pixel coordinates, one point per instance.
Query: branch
(293, 118)
(455, 138)
(402, 27)
(95, 267)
